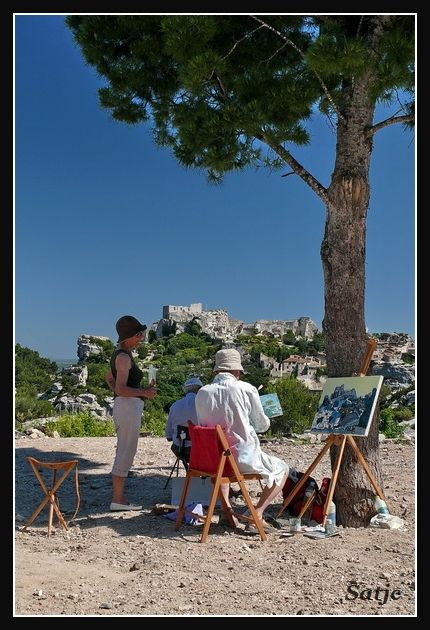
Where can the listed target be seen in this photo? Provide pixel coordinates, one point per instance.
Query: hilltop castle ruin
(217, 323)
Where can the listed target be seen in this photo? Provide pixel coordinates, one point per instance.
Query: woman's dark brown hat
(127, 326)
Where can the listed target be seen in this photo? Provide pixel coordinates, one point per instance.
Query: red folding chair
(211, 457)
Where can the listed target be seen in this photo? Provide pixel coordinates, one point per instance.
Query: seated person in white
(180, 412)
(237, 408)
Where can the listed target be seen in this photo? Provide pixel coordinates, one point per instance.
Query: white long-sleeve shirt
(236, 407)
(180, 412)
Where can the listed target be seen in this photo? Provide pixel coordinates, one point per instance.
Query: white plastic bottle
(380, 505)
(330, 523)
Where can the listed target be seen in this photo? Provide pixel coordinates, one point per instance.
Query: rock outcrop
(395, 375)
(87, 347)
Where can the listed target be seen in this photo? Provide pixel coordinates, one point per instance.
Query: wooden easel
(340, 441)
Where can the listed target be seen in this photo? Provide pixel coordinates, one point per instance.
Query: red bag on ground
(318, 505)
(296, 504)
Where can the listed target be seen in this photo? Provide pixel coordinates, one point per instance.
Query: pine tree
(225, 92)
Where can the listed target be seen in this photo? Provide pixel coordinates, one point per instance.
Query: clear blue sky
(107, 223)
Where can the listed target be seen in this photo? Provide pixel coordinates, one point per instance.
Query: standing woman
(124, 380)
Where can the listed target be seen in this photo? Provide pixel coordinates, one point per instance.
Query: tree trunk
(354, 496)
(343, 258)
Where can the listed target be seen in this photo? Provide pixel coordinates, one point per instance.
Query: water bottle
(152, 375)
(380, 505)
(331, 516)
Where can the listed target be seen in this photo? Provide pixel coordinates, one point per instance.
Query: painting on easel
(347, 405)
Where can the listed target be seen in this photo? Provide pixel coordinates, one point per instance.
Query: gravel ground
(135, 564)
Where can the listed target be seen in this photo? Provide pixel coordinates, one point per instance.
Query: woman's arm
(110, 380)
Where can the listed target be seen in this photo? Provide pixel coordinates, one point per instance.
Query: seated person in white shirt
(180, 412)
(236, 407)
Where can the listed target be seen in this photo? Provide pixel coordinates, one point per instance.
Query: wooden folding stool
(51, 492)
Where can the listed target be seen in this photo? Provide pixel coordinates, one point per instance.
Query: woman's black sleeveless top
(134, 375)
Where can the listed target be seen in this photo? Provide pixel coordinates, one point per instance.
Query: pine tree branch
(214, 76)
(301, 53)
(275, 53)
(390, 121)
(298, 169)
(241, 40)
(381, 23)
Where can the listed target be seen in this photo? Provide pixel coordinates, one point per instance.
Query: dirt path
(136, 564)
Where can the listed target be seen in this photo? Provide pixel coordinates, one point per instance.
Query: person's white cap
(192, 382)
(228, 360)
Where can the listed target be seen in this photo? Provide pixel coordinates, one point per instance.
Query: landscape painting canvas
(347, 405)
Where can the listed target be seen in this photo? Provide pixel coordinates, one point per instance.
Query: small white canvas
(271, 405)
(200, 490)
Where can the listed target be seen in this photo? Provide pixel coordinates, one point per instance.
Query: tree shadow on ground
(147, 525)
(145, 487)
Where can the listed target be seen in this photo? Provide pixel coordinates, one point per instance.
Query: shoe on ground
(163, 508)
(271, 520)
(127, 507)
(252, 529)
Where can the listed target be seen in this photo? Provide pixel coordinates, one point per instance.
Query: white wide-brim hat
(228, 360)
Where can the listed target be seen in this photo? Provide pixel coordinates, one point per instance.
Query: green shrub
(298, 403)
(154, 421)
(254, 345)
(401, 414)
(388, 425)
(96, 383)
(183, 341)
(32, 372)
(193, 327)
(142, 351)
(28, 408)
(81, 424)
